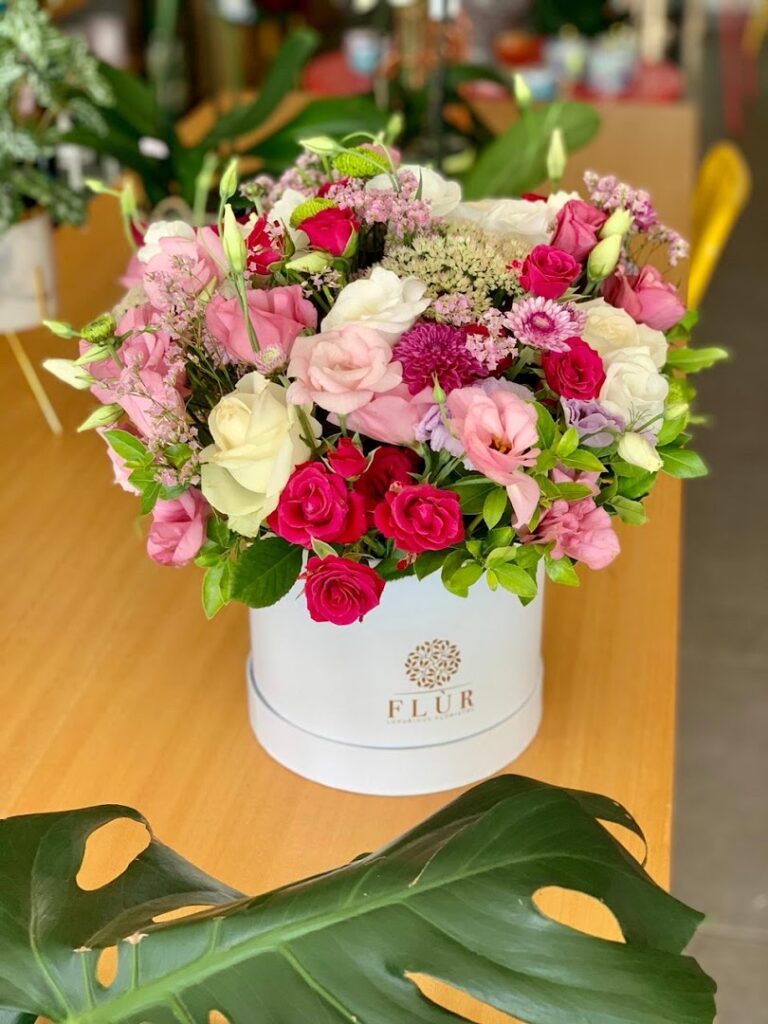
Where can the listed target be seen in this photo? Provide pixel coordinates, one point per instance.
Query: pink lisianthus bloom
(278, 316)
(342, 370)
(576, 228)
(179, 263)
(178, 528)
(567, 475)
(646, 296)
(581, 530)
(393, 417)
(332, 229)
(498, 430)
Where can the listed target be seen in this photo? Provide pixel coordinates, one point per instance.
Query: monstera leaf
(453, 900)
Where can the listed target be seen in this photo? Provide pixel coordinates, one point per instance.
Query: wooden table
(114, 688)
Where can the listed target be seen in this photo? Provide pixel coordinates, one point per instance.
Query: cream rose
(257, 443)
(530, 221)
(609, 328)
(442, 195)
(634, 388)
(382, 301)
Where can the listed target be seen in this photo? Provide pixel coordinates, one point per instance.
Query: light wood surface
(115, 689)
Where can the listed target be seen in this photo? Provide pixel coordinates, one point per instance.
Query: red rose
(339, 590)
(577, 373)
(576, 228)
(346, 459)
(263, 249)
(420, 517)
(331, 229)
(317, 504)
(646, 296)
(389, 465)
(549, 272)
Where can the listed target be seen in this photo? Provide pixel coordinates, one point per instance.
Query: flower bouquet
(357, 390)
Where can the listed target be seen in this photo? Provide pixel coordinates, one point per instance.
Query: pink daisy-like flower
(429, 350)
(544, 323)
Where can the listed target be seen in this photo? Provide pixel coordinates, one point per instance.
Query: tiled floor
(721, 829)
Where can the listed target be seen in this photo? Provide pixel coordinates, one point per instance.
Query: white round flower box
(428, 693)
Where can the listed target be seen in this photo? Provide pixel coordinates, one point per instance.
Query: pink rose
(580, 530)
(394, 416)
(388, 466)
(278, 316)
(178, 528)
(498, 430)
(342, 370)
(346, 459)
(317, 504)
(576, 228)
(177, 268)
(549, 272)
(576, 373)
(646, 296)
(420, 517)
(331, 229)
(339, 590)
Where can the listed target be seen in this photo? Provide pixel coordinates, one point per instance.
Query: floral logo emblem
(433, 663)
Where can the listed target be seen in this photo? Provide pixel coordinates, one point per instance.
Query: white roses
(530, 221)
(383, 301)
(257, 443)
(634, 388)
(609, 328)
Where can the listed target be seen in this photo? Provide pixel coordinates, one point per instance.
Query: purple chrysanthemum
(429, 350)
(544, 323)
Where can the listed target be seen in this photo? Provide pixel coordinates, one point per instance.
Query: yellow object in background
(722, 190)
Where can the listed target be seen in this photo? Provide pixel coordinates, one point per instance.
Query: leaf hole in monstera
(106, 968)
(179, 912)
(569, 907)
(109, 850)
(449, 998)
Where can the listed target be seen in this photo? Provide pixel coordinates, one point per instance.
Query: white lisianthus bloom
(442, 195)
(638, 451)
(609, 328)
(387, 303)
(69, 372)
(257, 444)
(163, 229)
(633, 387)
(528, 220)
(557, 200)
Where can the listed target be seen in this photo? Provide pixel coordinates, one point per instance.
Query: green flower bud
(128, 206)
(61, 329)
(361, 163)
(557, 156)
(309, 208)
(101, 417)
(310, 262)
(604, 258)
(523, 94)
(228, 182)
(322, 145)
(70, 373)
(99, 330)
(233, 242)
(618, 223)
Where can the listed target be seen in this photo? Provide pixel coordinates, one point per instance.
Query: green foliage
(266, 571)
(682, 462)
(516, 161)
(53, 74)
(453, 899)
(692, 360)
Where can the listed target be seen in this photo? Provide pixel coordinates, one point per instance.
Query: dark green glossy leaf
(472, 492)
(266, 571)
(429, 562)
(453, 899)
(681, 462)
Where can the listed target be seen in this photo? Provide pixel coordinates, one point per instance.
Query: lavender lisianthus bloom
(597, 428)
(432, 430)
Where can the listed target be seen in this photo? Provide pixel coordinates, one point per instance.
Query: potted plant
(49, 84)
(361, 400)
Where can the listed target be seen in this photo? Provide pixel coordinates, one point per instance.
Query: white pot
(428, 693)
(27, 275)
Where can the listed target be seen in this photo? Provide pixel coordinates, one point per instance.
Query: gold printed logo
(433, 663)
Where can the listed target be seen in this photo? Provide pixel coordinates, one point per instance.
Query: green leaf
(629, 511)
(671, 429)
(682, 462)
(561, 570)
(692, 360)
(515, 579)
(508, 553)
(428, 562)
(149, 497)
(343, 946)
(283, 76)
(568, 443)
(685, 326)
(572, 492)
(494, 507)
(516, 161)
(129, 447)
(321, 549)
(463, 578)
(546, 426)
(583, 459)
(635, 487)
(266, 571)
(217, 587)
(472, 492)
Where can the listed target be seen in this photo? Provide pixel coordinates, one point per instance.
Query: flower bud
(310, 262)
(523, 94)
(60, 329)
(99, 330)
(618, 223)
(104, 416)
(233, 242)
(638, 451)
(322, 145)
(228, 181)
(556, 156)
(604, 258)
(69, 372)
(309, 208)
(128, 206)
